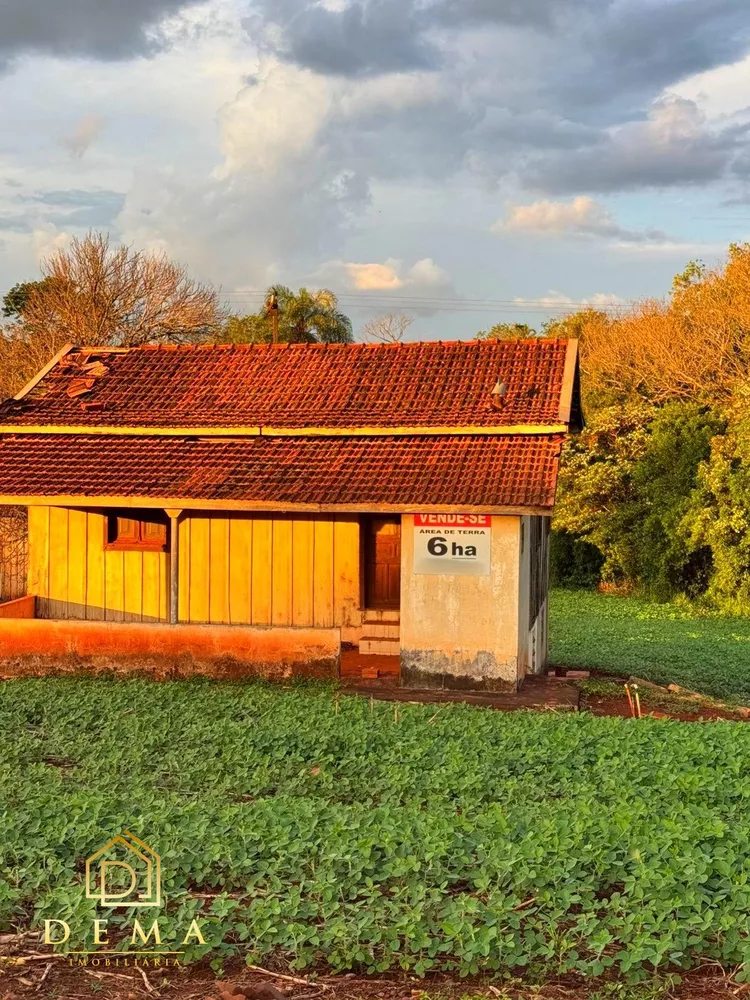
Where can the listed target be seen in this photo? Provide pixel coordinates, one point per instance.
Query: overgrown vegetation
(658, 481)
(458, 839)
(663, 643)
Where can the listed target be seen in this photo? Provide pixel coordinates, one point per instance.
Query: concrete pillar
(462, 631)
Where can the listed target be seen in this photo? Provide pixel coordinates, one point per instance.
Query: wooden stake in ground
(630, 700)
(637, 700)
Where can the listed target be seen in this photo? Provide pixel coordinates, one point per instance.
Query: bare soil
(55, 980)
(600, 705)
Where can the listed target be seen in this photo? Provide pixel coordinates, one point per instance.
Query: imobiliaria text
(57, 932)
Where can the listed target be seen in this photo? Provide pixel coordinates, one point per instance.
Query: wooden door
(384, 563)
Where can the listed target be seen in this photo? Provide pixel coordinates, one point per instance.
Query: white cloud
(373, 277)
(387, 277)
(554, 300)
(334, 6)
(392, 92)
(275, 121)
(720, 91)
(79, 140)
(583, 217)
(46, 239)
(675, 144)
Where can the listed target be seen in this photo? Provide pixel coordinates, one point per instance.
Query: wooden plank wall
(74, 577)
(270, 569)
(258, 569)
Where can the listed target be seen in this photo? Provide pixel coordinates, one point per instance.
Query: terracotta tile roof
(421, 384)
(419, 471)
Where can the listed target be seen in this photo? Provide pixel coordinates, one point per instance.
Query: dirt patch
(537, 693)
(619, 706)
(55, 980)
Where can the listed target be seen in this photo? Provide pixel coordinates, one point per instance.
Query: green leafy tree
(16, 300)
(628, 482)
(309, 316)
(718, 516)
(507, 331)
(254, 328)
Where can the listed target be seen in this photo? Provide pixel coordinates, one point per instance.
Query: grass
(662, 643)
(318, 830)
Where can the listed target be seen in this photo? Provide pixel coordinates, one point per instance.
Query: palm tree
(309, 316)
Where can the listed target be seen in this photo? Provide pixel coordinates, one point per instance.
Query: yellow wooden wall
(270, 569)
(258, 569)
(74, 577)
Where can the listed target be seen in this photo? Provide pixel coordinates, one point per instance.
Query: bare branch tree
(388, 329)
(96, 293)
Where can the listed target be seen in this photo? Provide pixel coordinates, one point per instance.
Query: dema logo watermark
(124, 873)
(124, 858)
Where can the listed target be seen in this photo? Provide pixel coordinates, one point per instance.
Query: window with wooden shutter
(147, 533)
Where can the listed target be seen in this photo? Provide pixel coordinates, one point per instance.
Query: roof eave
(183, 503)
(509, 430)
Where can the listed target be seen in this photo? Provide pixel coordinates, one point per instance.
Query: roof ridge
(473, 342)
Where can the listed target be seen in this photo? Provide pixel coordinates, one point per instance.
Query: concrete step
(381, 630)
(377, 615)
(377, 646)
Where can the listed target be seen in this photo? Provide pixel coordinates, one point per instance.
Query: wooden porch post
(174, 565)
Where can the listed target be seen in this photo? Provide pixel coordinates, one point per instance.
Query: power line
(445, 304)
(434, 304)
(378, 297)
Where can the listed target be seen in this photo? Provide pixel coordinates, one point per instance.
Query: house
(258, 507)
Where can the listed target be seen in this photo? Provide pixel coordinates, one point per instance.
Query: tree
(16, 300)
(657, 481)
(252, 329)
(388, 329)
(626, 484)
(507, 331)
(96, 293)
(23, 355)
(718, 517)
(693, 345)
(309, 316)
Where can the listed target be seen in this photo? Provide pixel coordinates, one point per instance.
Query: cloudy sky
(466, 161)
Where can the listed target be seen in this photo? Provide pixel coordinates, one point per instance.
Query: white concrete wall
(462, 631)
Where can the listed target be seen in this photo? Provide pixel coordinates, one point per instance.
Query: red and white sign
(452, 544)
(452, 520)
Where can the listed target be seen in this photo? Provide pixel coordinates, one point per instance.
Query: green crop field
(337, 832)
(663, 643)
